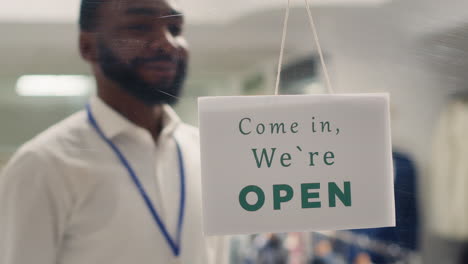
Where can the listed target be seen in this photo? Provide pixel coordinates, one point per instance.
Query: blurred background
(416, 50)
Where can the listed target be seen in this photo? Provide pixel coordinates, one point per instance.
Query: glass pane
(67, 196)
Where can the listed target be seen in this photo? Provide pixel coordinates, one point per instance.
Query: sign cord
(283, 40)
(317, 43)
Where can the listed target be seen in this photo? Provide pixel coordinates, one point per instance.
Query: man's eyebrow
(173, 13)
(152, 12)
(176, 14)
(141, 11)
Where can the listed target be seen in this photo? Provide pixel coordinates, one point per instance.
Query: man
(119, 182)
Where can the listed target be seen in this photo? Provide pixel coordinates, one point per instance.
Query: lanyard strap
(174, 245)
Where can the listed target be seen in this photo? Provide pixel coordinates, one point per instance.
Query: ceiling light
(54, 85)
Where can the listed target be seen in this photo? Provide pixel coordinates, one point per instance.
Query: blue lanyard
(174, 245)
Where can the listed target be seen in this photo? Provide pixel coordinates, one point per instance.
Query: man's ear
(88, 46)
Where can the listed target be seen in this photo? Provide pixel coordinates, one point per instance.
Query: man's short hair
(89, 14)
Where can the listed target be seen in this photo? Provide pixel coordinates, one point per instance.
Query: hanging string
(317, 43)
(283, 40)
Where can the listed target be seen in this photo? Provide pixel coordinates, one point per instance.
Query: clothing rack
(366, 243)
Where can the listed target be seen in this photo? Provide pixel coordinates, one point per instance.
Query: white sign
(296, 163)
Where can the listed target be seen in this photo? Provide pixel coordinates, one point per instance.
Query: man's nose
(163, 41)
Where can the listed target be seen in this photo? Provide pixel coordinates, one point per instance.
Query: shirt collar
(113, 123)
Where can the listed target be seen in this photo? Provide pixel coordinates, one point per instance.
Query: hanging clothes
(449, 174)
(406, 232)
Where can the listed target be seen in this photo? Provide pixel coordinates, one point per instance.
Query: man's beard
(126, 75)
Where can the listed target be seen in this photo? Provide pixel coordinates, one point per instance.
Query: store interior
(415, 50)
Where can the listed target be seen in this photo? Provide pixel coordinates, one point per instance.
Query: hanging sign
(296, 163)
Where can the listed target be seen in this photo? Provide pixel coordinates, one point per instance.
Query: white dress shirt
(66, 198)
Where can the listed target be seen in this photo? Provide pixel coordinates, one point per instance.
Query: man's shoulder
(39, 166)
(189, 132)
(57, 138)
(189, 129)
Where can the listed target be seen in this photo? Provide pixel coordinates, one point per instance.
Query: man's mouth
(159, 68)
(160, 65)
